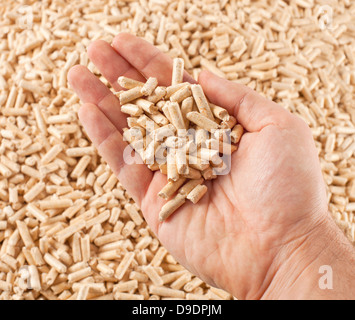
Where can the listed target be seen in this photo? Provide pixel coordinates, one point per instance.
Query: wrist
(318, 265)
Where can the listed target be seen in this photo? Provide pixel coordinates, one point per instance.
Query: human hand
(251, 221)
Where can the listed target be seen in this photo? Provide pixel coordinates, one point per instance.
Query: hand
(251, 223)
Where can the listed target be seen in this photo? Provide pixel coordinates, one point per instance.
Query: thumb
(252, 110)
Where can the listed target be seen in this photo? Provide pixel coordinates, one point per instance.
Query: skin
(263, 230)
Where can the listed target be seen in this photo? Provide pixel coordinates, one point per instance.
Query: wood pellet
(66, 223)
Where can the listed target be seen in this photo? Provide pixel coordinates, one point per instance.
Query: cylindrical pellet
(131, 109)
(189, 186)
(186, 107)
(201, 101)
(178, 71)
(173, 174)
(149, 86)
(197, 193)
(128, 83)
(170, 188)
(181, 94)
(237, 133)
(176, 115)
(130, 95)
(170, 207)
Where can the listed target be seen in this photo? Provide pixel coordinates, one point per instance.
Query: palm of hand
(231, 238)
(248, 215)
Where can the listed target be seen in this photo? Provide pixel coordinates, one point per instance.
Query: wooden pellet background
(64, 214)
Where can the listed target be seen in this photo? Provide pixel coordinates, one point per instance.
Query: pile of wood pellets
(177, 131)
(68, 228)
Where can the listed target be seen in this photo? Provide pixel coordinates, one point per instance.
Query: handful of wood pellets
(177, 131)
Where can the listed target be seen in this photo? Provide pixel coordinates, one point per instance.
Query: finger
(91, 90)
(109, 142)
(111, 64)
(252, 110)
(146, 58)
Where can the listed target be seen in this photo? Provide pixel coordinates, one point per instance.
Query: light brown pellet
(173, 88)
(130, 95)
(202, 121)
(159, 256)
(146, 105)
(229, 124)
(130, 285)
(221, 147)
(157, 95)
(25, 234)
(51, 154)
(181, 94)
(80, 151)
(34, 191)
(76, 249)
(132, 109)
(171, 188)
(149, 86)
(181, 162)
(181, 281)
(201, 101)
(189, 186)
(81, 166)
(192, 174)
(55, 263)
(35, 281)
(37, 213)
(193, 284)
(79, 275)
(186, 107)
(197, 163)
(140, 277)
(108, 238)
(124, 264)
(37, 256)
(178, 71)
(219, 112)
(176, 115)
(105, 270)
(83, 293)
(171, 206)
(236, 133)
(166, 292)
(159, 118)
(128, 83)
(197, 193)
(166, 112)
(134, 214)
(153, 275)
(85, 247)
(172, 172)
(55, 204)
